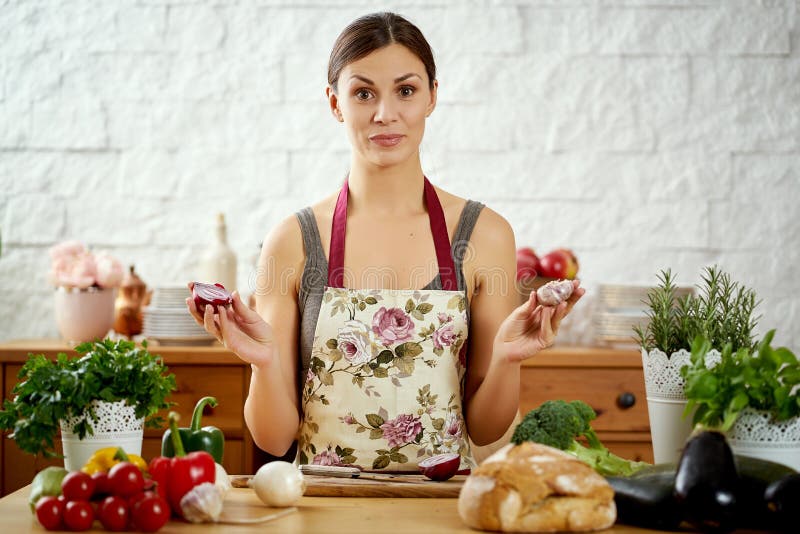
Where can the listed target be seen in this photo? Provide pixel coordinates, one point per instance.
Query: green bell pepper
(209, 438)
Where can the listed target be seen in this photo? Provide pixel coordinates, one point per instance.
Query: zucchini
(646, 500)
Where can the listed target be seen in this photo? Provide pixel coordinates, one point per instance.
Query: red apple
(560, 263)
(527, 263)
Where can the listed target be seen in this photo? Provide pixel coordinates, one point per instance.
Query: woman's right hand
(238, 328)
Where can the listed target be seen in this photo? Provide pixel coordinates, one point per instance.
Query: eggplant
(782, 498)
(707, 483)
(647, 500)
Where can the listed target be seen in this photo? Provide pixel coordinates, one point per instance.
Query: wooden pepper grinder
(133, 296)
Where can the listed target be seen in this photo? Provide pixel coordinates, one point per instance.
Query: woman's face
(383, 100)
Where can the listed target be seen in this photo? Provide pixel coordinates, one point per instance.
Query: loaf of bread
(536, 488)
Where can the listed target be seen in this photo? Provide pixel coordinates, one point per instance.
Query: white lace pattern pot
(117, 426)
(666, 400)
(755, 434)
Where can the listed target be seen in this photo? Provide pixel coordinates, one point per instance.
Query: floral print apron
(385, 382)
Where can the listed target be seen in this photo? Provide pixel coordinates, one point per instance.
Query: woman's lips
(386, 139)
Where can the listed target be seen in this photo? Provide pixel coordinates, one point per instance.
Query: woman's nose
(386, 110)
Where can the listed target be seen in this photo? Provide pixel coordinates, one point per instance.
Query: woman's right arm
(272, 408)
(267, 339)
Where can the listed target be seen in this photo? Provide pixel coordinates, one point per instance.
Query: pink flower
(348, 419)
(309, 375)
(401, 430)
(356, 342)
(452, 425)
(109, 270)
(327, 457)
(462, 355)
(444, 336)
(444, 318)
(392, 325)
(74, 266)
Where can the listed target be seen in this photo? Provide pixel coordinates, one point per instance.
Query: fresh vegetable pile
(561, 424)
(712, 490)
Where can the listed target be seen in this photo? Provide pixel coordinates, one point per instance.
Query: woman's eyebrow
(402, 78)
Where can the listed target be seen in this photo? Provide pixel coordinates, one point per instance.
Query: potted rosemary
(722, 311)
(102, 398)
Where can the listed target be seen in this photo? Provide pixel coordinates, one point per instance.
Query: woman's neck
(386, 192)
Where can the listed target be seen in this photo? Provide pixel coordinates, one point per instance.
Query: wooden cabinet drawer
(226, 383)
(599, 387)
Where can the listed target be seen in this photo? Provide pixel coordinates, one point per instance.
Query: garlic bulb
(555, 292)
(202, 504)
(221, 480)
(278, 484)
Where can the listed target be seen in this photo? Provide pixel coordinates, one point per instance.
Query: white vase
(755, 434)
(666, 401)
(84, 314)
(116, 426)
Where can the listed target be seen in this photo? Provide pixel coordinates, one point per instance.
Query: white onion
(278, 484)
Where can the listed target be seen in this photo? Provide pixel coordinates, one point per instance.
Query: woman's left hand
(532, 327)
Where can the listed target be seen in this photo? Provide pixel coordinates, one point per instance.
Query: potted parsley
(752, 395)
(102, 398)
(723, 311)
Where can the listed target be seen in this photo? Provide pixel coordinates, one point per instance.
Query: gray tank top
(315, 273)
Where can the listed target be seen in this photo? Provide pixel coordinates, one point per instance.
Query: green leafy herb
(722, 312)
(763, 378)
(51, 390)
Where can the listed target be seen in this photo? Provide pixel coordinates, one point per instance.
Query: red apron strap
(338, 230)
(441, 239)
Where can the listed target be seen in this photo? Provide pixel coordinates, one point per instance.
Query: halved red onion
(441, 466)
(213, 294)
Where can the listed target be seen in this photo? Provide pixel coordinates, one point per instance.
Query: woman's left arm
(502, 333)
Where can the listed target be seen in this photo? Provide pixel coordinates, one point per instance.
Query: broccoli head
(560, 424)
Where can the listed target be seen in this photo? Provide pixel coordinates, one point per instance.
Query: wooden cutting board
(408, 486)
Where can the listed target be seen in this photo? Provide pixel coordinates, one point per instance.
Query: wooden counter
(346, 515)
(610, 380)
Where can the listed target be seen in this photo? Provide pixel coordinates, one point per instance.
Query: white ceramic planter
(117, 426)
(666, 401)
(755, 434)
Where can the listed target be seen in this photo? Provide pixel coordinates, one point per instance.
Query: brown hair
(371, 32)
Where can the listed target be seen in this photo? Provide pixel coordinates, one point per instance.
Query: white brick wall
(644, 134)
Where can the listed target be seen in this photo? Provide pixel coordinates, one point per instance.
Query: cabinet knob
(626, 400)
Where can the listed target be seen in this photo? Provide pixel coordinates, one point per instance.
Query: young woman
(387, 327)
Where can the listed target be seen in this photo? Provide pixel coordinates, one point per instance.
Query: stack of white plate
(621, 308)
(167, 320)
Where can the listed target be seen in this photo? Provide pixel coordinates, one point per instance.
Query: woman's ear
(333, 102)
(434, 92)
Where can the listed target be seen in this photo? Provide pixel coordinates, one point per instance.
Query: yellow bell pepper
(104, 459)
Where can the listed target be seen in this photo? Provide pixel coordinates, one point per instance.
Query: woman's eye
(363, 94)
(406, 91)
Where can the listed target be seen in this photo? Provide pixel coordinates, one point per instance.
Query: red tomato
(139, 496)
(114, 513)
(150, 513)
(125, 479)
(101, 485)
(50, 512)
(77, 486)
(78, 515)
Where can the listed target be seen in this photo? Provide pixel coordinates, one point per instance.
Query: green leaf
(325, 377)
(332, 343)
(417, 315)
(438, 423)
(375, 433)
(375, 420)
(398, 457)
(408, 349)
(371, 300)
(380, 372)
(335, 355)
(409, 306)
(348, 459)
(404, 365)
(425, 307)
(385, 356)
(380, 462)
(361, 429)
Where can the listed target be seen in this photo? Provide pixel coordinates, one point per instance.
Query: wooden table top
(315, 514)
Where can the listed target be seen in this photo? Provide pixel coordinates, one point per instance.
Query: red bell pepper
(177, 476)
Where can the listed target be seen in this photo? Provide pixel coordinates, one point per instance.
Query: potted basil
(102, 398)
(751, 395)
(722, 311)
